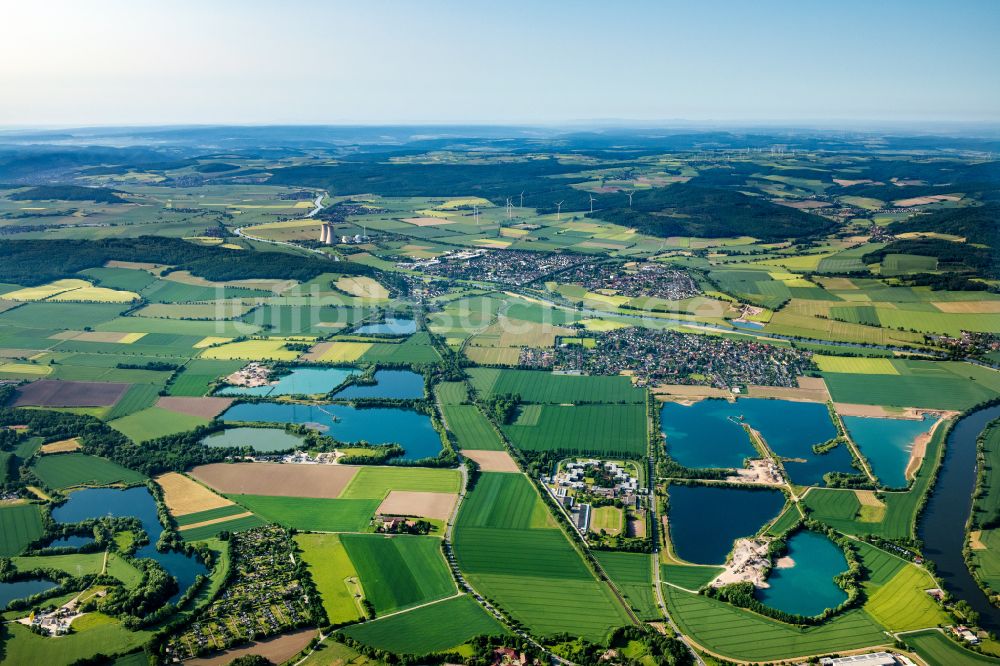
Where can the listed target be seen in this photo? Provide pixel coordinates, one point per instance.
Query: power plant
(326, 236)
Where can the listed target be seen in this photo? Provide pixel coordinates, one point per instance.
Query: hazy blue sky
(72, 62)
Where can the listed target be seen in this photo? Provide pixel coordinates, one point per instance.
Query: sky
(134, 62)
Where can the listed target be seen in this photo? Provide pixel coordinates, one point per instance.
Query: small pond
(705, 520)
(23, 589)
(806, 586)
(389, 327)
(99, 502)
(396, 384)
(382, 425)
(300, 381)
(887, 444)
(262, 440)
(72, 541)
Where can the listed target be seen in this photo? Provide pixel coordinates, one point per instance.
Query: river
(942, 524)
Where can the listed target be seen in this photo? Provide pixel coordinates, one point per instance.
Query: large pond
(709, 434)
(23, 589)
(705, 434)
(300, 381)
(411, 430)
(942, 523)
(262, 440)
(887, 444)
(806, 587)
(705, 520)
(395, 384)
(99, 502)
(389, 327)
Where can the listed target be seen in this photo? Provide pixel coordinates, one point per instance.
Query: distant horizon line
(598, 123)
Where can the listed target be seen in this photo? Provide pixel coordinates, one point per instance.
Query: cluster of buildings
(964, 633)
(870, 659)
(263, 597)
(296, 458)
(254, 374)
(634, 279)
(55, 622)
(578, 483)
(509, 267)
(669, 357)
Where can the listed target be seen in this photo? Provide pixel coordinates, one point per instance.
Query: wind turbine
(591, 203)
(522, 199)
(510, 207)
(629, 193)
(475, 213)
(559, 209)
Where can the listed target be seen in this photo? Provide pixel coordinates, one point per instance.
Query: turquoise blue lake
(262, 440)
(411, 430)
(300, 381)
(396, 384)
(22, 589)
(887, 444)
(98, 502)
(709, 434)
(705, 520)
(389, 327)
(703, 434)
(807, 587)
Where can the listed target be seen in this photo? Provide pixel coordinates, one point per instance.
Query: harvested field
(277, 650)
(492, 461)
(337, 352)
(968, 307)
(362, 287)
(819, 394)
(183, 496)
(424, 505)
(206, 407)
(322, 481)
(427, 221)
(688, 392)
(155, 269)
(62, 446)
(98, 336)
(55, 393)
(847, 409)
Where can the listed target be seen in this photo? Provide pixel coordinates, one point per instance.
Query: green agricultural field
(471, 428)
(738, 634)
(632, 573)
(399, 572)
(541, 387)
(986, 501)
(20, 524)
(934, 385)
(197, 375)
(540, 577)
(451, 393)
(120, 278)
(93, 634)
(376, 482)
(155, 422)
(211, 531)
(584, 429)
(894, 592)
(310, 514)
(330, 567)
(416, 349)
(77, 469)
(937, 649)
(433, 628)
(788, 518)
(138, 397)
(209, 514)
(688, 576)
(74, 316)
